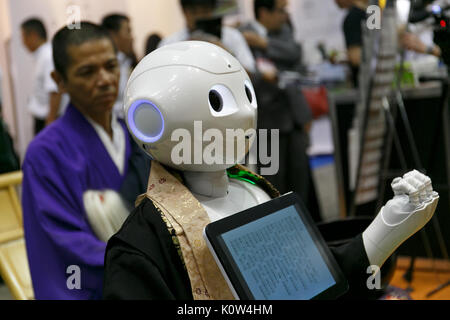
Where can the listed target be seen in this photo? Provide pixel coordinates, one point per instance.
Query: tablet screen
(276, 257)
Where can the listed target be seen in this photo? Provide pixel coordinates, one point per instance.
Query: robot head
(188, 101)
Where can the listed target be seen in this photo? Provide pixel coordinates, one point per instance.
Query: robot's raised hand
(411, 208)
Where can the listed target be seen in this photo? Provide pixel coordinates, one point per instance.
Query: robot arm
(411, 208)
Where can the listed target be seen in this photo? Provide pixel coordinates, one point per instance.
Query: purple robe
(61, 163)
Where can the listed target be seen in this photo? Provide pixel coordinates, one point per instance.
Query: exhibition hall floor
(427, 276)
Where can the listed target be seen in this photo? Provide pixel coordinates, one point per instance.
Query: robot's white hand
(411, 208)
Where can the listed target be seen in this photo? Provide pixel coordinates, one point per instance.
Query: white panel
(5, 83)
(317, 21)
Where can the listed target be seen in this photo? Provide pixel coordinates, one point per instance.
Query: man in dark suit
(270, 35)
(281, 104)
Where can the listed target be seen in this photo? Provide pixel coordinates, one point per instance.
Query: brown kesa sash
(188, 218)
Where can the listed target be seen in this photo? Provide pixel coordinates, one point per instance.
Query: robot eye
(221, 101)
(215, 100)
(146, 121)
(250, 92)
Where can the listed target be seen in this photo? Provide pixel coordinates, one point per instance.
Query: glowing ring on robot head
(139, 130)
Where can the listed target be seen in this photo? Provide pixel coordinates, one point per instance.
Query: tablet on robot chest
(273, 251)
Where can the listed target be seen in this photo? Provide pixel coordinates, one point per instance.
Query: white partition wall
(317, 21)
(6, 88)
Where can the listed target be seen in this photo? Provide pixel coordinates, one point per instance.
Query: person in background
(9, 160)
(120, 30)
(44, 102)
(271, 35)
(419, 37)
(152, 43)
(282, 107)
(352, 28)
(412, 42)
(87, 150)
(231, 39)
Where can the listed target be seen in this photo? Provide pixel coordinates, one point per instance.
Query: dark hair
(258, 4)
(66, 37)
(152, 43)
(113, 22)
(196, 3)
(35, 25)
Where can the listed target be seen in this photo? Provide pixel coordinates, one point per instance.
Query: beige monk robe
(188, 218)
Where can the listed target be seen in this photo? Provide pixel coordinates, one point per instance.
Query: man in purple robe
(86, 149)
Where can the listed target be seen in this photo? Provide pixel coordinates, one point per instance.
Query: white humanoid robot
(197, 81)
(185, 82)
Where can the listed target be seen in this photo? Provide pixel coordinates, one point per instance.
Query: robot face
(191, 106)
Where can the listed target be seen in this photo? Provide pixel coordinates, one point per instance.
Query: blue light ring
(133, 128)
